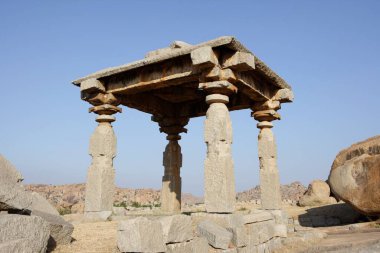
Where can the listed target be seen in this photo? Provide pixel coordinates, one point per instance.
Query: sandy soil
(99, 237)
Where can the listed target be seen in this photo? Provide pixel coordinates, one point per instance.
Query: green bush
(63, 211)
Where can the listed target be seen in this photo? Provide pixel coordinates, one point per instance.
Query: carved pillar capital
(172, 126)
(266, 112)
(105, 112)
(222, 87)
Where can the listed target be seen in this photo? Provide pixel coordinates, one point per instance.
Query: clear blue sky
(329, 51)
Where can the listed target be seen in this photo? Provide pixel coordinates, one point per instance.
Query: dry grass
(99, 237)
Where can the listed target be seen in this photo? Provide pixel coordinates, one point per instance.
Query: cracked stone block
(140, 235)
(217, 236)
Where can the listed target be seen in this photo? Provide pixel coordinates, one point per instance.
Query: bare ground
(98, 237)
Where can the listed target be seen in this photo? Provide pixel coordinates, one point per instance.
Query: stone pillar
(219, 177)
(265, 113)
(100, 186)
(172, 161)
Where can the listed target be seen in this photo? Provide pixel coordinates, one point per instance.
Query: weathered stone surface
(183, 247)
(280, 230)
(171, 181)
(9, 172)
(269, 176)
(198, 245)
(274, 244)
(39, 203)
(233, 250)
(318, 193)
(140, 235)
(204, 57)
(257, 216)
(100, 186)
(176, 228)
(219, 174)
(224, 220)
(355, 173)
(280, 216)
(239, 236)
(92, 85)
(260, 232)
(217, 236)
(21, 233)
(16, 246)
(240, 61)
(60, 230)
(13, 196)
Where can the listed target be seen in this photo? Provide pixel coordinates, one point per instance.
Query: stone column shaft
(100, 185)
(269, 175)
(219, 177)
(267, 149)
(172, 162)
(171, 181)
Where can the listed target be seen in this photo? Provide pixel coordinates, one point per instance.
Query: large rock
(60, 230)
(355, 176)
(318, 193)
(15, 199)
(23, 234)
(9, 172)
(13, 196)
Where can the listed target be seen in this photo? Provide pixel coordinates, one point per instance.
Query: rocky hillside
(291, 193)
(70, 197)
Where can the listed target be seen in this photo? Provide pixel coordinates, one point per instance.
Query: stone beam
(152, 77)
(148, 103)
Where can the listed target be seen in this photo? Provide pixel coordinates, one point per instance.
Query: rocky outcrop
(70, 198)
(27, 216)
(355, 176)
(290, 193)
(13, 196)
(318, 193)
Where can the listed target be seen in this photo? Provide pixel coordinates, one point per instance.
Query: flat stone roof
(171, 81)
(225, 41)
